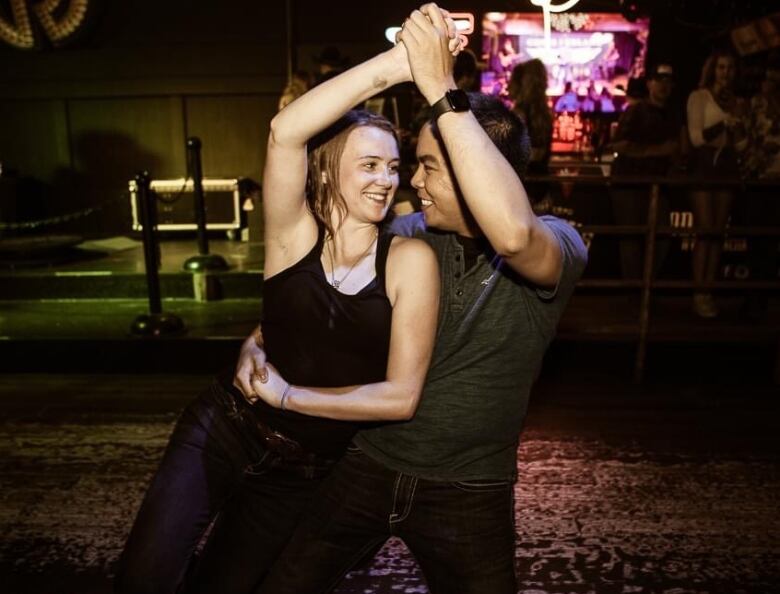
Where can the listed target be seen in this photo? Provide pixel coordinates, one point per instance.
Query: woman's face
(725, 70)
(368, 173)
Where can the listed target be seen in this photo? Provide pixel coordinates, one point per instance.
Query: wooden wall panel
(233, 131)
(34, 151)
(35, 140)
(114, 138)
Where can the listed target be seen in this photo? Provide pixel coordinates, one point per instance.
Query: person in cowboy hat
(331, 63)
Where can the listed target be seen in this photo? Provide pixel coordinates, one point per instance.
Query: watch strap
(449, 102)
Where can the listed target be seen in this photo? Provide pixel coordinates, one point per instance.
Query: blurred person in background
(298, 85)
(528, 91)
(646, 143)
(331, 62)
(714, 122)
(761, 156)
(466, 71)
(761, 160)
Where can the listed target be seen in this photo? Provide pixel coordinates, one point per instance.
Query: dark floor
(671, 488)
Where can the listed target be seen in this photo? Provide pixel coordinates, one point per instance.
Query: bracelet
(284, 397)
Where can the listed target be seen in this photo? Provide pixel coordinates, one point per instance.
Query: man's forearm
(490, 186)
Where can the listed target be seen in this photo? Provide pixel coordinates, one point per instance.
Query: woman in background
(713, 122)
(528, 91)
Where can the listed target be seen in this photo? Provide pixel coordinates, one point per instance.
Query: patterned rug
(610, 500)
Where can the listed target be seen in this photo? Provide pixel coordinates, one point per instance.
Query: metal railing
(652, 230)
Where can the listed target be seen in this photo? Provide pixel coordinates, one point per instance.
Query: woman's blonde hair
(528, 90)
(323, 191)
(707, 78)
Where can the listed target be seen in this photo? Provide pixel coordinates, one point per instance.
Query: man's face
(659, 89)
(436, 188)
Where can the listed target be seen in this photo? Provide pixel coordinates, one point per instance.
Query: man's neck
(473, 247)
(656, 102)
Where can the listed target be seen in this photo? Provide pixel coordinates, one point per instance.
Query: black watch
(453, 100)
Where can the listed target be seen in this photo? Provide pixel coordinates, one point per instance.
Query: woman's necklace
(337, 282)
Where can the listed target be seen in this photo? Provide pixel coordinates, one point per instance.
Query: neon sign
(575, 48)
(464, 23)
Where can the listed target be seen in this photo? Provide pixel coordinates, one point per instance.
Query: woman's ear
(324, 178)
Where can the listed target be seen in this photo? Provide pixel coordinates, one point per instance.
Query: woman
(528, 91)
(344, 305)
(299, 83)
(712, 125)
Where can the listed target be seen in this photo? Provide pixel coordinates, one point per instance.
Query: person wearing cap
(636, 91)
(331, 63)
(646, 143)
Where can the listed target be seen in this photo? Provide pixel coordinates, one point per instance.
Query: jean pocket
(483, 486)
(224, 399)
(353, 449)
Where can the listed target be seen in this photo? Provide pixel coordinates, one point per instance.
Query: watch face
(459, 100)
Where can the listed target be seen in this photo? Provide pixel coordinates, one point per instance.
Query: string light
(59, 20)
(64, 26)
(464, 23)
(20, 35)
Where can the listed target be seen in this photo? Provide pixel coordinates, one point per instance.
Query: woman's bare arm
(289, 227)
(412, 283)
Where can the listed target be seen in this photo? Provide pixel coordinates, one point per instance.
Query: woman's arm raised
(288, 224)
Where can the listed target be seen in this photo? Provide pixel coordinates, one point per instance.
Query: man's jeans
(213, 460)
(462, 534)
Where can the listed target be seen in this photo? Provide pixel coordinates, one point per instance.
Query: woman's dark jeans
(215, 474)
(462, 534)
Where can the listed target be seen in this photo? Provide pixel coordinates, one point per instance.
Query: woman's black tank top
(316, 336)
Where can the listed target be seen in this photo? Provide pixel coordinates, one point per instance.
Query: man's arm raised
(490, 186)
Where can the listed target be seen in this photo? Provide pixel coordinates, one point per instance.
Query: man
(646, 142)
(330, 63)
(466, 71)
(443, 481)
(761, 159)
(569, 101)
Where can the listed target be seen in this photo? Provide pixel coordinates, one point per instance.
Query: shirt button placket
(458, 276)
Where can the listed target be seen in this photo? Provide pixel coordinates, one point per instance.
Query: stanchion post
(193, 150)
(151, 248)
(155, 323)
(647, 280)
(203, 261)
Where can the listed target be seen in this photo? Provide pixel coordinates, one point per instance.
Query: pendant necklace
(336, 283)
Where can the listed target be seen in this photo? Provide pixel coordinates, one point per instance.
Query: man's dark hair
(503, 127)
